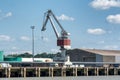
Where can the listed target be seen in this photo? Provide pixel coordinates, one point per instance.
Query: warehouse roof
(104, 52)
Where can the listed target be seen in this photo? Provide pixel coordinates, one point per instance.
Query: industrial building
(94, 55)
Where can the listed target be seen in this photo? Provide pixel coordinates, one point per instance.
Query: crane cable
(42, 36)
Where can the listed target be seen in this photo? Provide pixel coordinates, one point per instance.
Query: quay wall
(25, 72)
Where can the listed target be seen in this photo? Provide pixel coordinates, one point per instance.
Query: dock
(58, 71)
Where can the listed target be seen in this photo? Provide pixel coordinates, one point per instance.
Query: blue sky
(91, 23)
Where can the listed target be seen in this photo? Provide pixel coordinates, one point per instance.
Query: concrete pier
(57, 71)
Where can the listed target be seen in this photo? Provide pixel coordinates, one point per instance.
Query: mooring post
(115, 71)
(52, 72)
(24, 72)
(86, 71)
(106, 71)
(36, 71)
(39, 72)
(9, 72)
(97, 71)
(6, 72)
(21, 72)
(76, 71)
(63, 71)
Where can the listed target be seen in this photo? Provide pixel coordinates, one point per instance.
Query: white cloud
(111, 47)
(5, 15)
(25, 38)
(64, 17)
(105, 4)
(8, 14)
(114, 19)
(5, 38)
(97, 31)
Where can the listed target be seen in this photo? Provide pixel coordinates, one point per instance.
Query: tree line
(40, 55)
(28, 55)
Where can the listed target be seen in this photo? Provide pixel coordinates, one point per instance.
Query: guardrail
(60, 64)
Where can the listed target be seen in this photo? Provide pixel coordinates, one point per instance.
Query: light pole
(33, 27)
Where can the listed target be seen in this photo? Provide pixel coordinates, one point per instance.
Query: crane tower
(62, 37)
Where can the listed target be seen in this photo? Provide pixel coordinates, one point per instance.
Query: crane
(62, 37)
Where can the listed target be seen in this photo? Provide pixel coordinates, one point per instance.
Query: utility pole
(33, 27)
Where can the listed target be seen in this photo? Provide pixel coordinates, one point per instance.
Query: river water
(67, 78)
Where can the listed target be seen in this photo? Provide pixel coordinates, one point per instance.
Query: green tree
(44, 55)
(25, 55)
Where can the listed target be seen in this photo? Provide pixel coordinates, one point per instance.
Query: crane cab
(65, 43)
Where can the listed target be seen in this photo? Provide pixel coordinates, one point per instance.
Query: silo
(1, 55)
